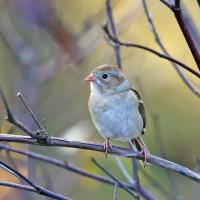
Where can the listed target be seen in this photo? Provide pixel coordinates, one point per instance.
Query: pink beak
(91, 77)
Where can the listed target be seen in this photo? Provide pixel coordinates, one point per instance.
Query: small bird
(116, 109)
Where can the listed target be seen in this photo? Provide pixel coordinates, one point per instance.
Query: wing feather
(140, 108)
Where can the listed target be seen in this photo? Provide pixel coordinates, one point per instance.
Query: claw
(141, 147)
(107, 145)
(145, 153)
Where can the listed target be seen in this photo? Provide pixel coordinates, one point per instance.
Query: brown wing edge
(140, 108)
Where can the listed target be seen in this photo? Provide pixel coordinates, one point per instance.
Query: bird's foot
(145, 153)
(106, 146)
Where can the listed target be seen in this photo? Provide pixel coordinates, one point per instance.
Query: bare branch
(198, 1)
(127, 44)
(38, 189)
(185, 79)
(12, 119)
(120, 151)
(167, 3)
(40, 134)
(154, 181)
(123, 170)
(114, 178)
(115, 192)
(111, 23)
(29, 110)
(136, 176)
(176, 9)
(70, 167)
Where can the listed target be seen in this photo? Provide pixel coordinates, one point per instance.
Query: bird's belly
(118, 122)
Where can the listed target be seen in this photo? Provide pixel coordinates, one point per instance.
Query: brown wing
(140, 108)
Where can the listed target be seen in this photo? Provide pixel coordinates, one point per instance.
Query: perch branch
(72, 168)
(119, 151)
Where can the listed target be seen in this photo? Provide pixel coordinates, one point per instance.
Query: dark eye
(105, 76)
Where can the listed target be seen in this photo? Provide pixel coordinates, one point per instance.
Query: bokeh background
(46, 50)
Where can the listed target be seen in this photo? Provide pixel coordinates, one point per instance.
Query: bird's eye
(105, 76)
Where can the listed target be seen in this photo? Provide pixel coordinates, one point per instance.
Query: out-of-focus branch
(177, 10)
(185, 79)
(35, 188)
(115, 192)
(167, 3)
(191, 25)
(160, 144)
(198, 1)
(114, 178)
(128, 44)
(111, 24)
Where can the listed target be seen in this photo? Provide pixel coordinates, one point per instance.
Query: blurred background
(47, 47)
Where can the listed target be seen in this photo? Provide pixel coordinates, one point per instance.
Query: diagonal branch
(177, 10)
(36, 188)
(185, 79)
(128, 44)
(12, 119)
(40, 134)
(134, 194)
(167, 3)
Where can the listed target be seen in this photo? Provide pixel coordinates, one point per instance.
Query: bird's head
(108, 80)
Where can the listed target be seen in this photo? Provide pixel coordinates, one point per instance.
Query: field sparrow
(116, 109)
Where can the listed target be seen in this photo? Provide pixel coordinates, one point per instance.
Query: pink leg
(106, 145)
(143, 150)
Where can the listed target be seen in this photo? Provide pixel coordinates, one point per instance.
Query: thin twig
(115, 192)
(154, 181)
(40, 134)
(18, 186)
(113, 177)
(128, 44)
(111, 23)
(40, 190)
(135, 171)
(123, 170)
(12, 119)
(136, 176)
(29, 110)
